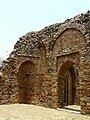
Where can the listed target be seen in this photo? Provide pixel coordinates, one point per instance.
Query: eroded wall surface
(34, 71)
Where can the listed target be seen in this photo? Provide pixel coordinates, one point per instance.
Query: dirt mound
(32, 112)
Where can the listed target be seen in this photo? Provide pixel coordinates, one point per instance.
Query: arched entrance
(67, 84)
(26, 80)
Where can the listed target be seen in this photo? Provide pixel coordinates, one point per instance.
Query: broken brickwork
(50, 67)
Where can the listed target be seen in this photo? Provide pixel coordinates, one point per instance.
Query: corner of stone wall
(85, 105)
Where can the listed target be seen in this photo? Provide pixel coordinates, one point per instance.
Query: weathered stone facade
(50, 67)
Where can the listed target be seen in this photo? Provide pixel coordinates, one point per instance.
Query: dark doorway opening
(67, 84)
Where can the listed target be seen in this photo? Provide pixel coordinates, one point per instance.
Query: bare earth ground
(32, 112)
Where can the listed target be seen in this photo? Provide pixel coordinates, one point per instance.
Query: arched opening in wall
(67, 84)
(26, 82)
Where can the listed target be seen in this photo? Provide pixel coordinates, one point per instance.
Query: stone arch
(26, 82)
(67, 83)
(32, 46)
(70, 45)
(68, 41)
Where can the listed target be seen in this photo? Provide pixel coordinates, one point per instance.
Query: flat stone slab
(72, 108)
(32, 112)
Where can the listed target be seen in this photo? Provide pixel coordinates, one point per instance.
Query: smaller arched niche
(67, 83)
(26, 82)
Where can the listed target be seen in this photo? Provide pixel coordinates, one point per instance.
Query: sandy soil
(31, 112)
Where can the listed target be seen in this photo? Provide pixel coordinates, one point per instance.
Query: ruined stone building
(50, 67)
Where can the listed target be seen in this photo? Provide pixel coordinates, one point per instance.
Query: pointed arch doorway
(67, 84)
(26, 82)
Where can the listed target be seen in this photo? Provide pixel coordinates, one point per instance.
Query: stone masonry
(50, 67)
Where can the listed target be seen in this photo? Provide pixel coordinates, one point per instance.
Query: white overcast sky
(17, 17)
